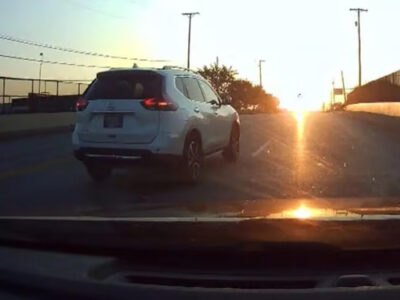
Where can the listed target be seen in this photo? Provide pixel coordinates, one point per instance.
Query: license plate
(113, 120)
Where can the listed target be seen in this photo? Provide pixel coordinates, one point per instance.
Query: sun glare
(303, 212)
(299, 116)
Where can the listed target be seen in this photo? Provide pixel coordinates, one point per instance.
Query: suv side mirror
(214, 102)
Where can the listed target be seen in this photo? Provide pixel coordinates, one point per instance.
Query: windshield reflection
(306, 212)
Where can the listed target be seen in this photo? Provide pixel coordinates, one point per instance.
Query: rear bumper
(165, 143)
(125, 157)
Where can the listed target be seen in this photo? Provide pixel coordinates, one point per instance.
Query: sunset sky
(305, 43)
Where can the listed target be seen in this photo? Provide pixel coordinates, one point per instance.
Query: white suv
(152, 115)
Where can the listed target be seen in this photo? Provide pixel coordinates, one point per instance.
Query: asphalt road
(319, 155)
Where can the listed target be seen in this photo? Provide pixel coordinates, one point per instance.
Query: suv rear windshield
(125, 85)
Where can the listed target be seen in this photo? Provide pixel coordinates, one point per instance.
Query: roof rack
(178, 68)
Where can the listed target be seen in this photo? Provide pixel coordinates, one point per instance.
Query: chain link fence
(19, 95)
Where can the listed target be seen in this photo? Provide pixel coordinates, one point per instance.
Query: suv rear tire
(192, 159)
(98, 172)
(231, 153)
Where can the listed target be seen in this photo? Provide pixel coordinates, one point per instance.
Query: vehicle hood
(344, 223)
(321, 209)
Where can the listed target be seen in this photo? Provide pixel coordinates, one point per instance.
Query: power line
(54, 62)
(53, 47)
(97, 11)
(48, 80)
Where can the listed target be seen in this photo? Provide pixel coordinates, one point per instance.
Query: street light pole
(40, 70)
(358, 24)
(260, 70)
(190, 15)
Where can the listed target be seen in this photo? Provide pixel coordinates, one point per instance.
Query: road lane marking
(34, 168)
(260, 150)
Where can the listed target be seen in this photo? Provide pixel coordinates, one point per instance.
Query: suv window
(125, 85)
(180, 86)
(193, 89)
(208, 92)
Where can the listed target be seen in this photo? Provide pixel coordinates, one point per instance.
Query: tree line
(246, 97)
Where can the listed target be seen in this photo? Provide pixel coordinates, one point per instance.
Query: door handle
(196, 110)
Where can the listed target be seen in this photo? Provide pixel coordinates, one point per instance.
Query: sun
(300, 102)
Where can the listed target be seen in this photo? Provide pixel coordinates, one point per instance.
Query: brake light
(81, 104)
(159, 104)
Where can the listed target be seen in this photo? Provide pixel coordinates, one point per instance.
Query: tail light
(159, 104)
(81, 104)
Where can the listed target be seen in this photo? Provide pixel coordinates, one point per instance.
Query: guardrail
(19, 95)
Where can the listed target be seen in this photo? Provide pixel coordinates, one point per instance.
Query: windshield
(200, 111)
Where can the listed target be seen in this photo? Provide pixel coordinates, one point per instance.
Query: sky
(305, 44)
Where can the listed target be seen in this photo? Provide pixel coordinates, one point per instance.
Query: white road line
(260, 150)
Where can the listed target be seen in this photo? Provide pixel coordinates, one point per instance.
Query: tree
(220, 77)
(268, 104)
(245, 95)
(240, 91)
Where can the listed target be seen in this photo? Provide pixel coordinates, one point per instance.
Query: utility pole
(40, 70)
(260, 62)
(190, 15)
(344, 89)
(358, 24)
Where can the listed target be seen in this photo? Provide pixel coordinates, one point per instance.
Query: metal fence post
(33, 84)
(57, 87)
(3, 109)
(79, 89)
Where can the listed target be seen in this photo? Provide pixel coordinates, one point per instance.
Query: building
(384, 89)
